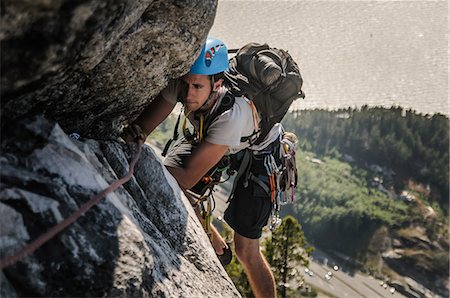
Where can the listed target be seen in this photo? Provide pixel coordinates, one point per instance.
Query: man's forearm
(154, 114)
(184, 179)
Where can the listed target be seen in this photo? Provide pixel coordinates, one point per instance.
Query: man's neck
(212, 101)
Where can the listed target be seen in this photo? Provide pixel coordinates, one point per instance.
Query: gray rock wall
(90, 67)
(143, 240)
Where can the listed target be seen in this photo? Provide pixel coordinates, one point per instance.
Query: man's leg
(217, 241)
(255, 265)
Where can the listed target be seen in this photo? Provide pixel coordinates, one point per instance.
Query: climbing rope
(28, 249)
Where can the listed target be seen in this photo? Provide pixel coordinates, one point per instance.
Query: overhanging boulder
(94, 65)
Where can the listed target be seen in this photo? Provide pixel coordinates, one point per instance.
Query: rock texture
(94, 65)
(141, 241)
(90, 67)
(417, 258)
(415, 263)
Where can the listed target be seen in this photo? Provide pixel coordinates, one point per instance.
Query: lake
(352, 53)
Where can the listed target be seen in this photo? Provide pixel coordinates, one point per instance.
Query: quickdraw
(289, 178)
(205, 212)
(283, 178)
(274, 174)
(206, 195)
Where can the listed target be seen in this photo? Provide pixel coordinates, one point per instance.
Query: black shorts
(250, 208)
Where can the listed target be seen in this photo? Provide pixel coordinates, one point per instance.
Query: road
(343, 283)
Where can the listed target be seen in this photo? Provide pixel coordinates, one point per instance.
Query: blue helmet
(213, 58)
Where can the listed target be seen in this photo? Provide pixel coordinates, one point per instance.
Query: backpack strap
(259, 182)
(226, 103)
(256, 121)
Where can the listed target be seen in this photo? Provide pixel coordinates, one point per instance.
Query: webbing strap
(259, 182)
(244, 167)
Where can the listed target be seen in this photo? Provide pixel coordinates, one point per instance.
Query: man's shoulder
(240, 110)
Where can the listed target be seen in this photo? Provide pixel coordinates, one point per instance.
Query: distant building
(407, 197)
(314, 160)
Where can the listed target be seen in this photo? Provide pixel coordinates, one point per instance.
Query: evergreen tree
(285, 251)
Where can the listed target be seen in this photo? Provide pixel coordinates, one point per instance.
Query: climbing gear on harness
(285, 176)
(267, 76)
(205, 216)
(205, 212)
(213, 58)
(289, 174)
(280, 168)
(30, 248)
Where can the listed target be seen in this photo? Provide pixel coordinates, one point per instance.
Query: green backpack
(270, 78)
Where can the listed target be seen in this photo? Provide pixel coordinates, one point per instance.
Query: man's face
(198, 88)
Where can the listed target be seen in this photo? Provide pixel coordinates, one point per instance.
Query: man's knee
(246, 249)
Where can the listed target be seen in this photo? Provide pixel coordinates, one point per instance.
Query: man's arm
(149, 119)
(205, 156)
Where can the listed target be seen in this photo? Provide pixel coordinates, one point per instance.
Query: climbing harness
(280, 167)
(204, 196)
(30, 248)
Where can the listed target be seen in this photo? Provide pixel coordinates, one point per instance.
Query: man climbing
(223, 125)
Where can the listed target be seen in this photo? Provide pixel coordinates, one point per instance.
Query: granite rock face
(94, 65)
(143, 240)
(90, 67)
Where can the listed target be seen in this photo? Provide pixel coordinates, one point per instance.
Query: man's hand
(133, 133)
(148, 120)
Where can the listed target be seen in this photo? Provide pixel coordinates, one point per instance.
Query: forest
(362, 171)
(412, 145)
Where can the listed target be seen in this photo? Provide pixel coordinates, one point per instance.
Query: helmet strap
(212, 94)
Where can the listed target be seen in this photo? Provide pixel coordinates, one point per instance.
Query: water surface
(352, 53)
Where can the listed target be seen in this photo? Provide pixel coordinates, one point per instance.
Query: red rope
(8, 261)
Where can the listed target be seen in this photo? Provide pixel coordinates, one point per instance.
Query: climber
(221, 122)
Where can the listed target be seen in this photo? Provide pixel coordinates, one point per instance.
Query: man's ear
(218, 84)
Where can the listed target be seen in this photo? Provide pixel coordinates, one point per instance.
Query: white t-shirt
(230, 126)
